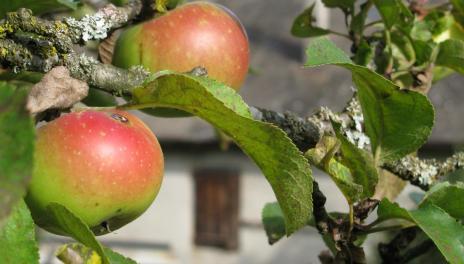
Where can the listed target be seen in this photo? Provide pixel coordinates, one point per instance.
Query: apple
(106, 167)
(194, 34)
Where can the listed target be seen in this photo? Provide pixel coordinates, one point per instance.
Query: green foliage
(73, 226)
(274, 222)
(25, 76)
(388, 210)
(343, 4)
(17, 146)
(445, 231)
(364, 54)
(358, 22)
(116, 258)
(38, 6)
(394, 12)
(323, 157)
(398, 122)
(449, 197)
(451, 55)
(360, 164)
(281, 162)
(17, 237)
(99, 98)
(458, 10)
(303, 26)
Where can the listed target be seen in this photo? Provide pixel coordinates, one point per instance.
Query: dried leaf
(57, 89)
(106, 47)
(389, 186)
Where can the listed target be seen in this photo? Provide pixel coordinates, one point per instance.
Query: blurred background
(209, 206)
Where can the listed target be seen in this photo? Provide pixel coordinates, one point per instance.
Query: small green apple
(106, 167)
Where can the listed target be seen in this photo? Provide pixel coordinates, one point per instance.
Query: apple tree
(190, 59)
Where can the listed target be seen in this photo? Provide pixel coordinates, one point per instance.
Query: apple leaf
(358, 21)
(273, 222)
(69, 252)
(17, 146)
(458, 10)
(360, 164)
(343, 4)
(25, 76)
(397, 122)
(388, 210)
(449, 197)
(445, 231)
(75, 227)
(116, 258)
(279, 159)
(451, 55)
(38, 7)
(303, 26)
(99, 98)
(394, 12)
(323, 157)
(17, 237)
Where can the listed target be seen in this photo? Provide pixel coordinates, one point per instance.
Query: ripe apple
(106, 167)
(195, 34)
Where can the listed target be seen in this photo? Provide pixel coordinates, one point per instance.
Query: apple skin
(106, 167)
(194, 34)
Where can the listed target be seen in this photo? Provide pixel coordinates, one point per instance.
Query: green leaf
(403, 50)
(280, 161)
(446, 232)
(38, 7)
(458, 10)
(359, 20)
(274, 222)
(451, 55)
(17, 237)
(438, 22)
(303, 26)
(449, 197)
(99, 98)
(359, 162)
(70, 252)
(116, 258)
(388, 210)
(73, 226)
(364, 54)
(17, 146)
(342, 177)
(425, 51)
(394, 12)
(420, 31)
(397, 122)
(343, 4)
(322, 156)
(25, 76)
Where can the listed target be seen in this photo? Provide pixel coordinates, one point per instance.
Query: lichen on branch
(97, 26)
